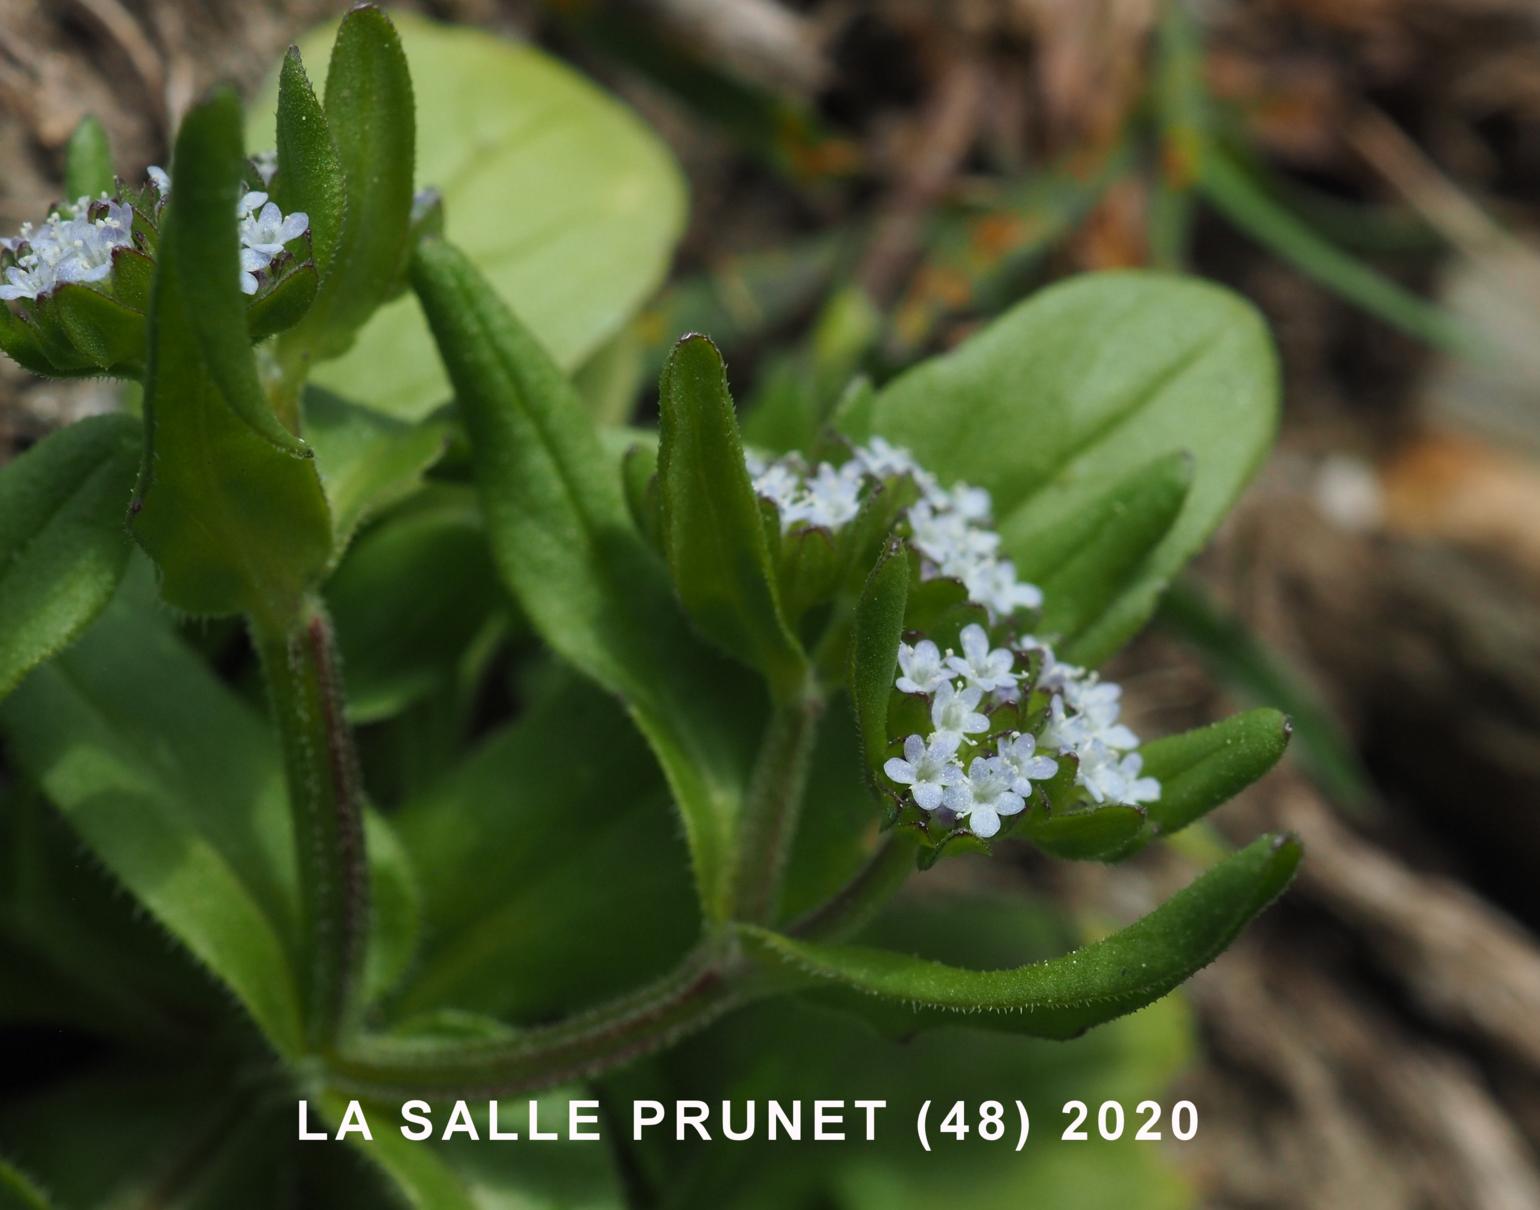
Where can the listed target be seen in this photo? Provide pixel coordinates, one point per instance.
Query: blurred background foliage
(860, 184)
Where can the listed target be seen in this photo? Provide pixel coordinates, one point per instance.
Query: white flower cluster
(264, 228)
(76, 243)
(953, 770)
(73, 244)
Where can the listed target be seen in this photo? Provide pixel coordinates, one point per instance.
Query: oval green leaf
(497, 123)
(1079, 386)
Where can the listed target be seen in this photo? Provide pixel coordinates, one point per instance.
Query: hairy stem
(702, 988)
(305, 688)
(768, 824)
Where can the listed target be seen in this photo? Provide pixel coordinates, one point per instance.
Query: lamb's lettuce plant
(835, 665)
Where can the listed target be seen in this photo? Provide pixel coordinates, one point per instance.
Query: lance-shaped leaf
(282, 305)
(367, 461)
(567, 550)
(875, 635)
(23, 344)
(1077, 387)
(1060, 997)
(63, 543)
(1101, 834)
(88, 161)
(371, 119)
(1086, 562)
(497, 121)
(236, 524)
(713, 534)
(1198, 770)
(310, 176)
(199, 242)
(109, 333)
(195, 830)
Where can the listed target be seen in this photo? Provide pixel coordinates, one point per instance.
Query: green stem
(854, 906)
(702, 988)
(305, 688)
(772, 807)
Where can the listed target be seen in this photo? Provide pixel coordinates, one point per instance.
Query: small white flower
(927, 768)
(266, 164)
(1100, 772)
(983, 795)
(1099, 702)
(834, 495)
(1063, 732)
(1020, 755)
(780, 485)
(252, 263)
(250, 202)
(994, 585)
(983, 668)
(956, 714)
(161, 179)
(969, 502)
(268, 230)
(880, 458)
(1137, 789)
(922, 668)
(27, 281)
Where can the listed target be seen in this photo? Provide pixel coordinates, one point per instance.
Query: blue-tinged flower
(1027, 765)
(955, 713)
(928, 767)
(980, 665)
(984, 795)
(922, 668)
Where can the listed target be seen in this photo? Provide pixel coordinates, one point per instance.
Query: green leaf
(1198, 770)
(409, 599)
(368, 462)
(713, 533)
(63, 543)
(1060, 997)
(154, 1133)
(310, 173)
(565, 547)
(1102, 834)
(497, 122)
(109, 333)
(370, 115)
(639, 475)
(23, 344)
(395, 908)
(418, 1173)
(1086, 562)
(282, 305)
(18, 1191)
(88, 161)
(197, 830)
(236, 524)
(794, 1049)
(1076, 388)
(200, 246)
(511, 841)
(877, 629)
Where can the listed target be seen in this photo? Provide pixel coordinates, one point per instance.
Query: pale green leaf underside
(172, 782)
(563, 198)
(63, 542)
(1083, 383)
